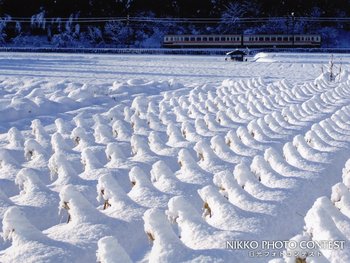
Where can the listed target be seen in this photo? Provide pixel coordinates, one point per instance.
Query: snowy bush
(185, 159)
(81, 138)
(116, 112)
(206, 154)
(110, 251)
(140, 105)
(165, 244)
(15, 138)
(156, 143)
(27, 179)
(78, 208)
(16, 227)
(139, 145)
(114, 153)
(321, 224)
(62, 126)
(81, 94)
(137, 124)
(59, 143)
(62, 170)
(243, 174)
(32, 149)
(121, 130)
(103, 133)
(90, 160)
(40, 133)
(115, 201)
(107, 189)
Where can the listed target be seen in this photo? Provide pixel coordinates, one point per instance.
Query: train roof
(213, 35)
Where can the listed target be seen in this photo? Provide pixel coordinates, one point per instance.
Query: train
(240, 41)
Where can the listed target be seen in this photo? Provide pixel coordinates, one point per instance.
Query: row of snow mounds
(268, 121)
(75, 241)
(139, 155)
(232, 202)
(38, 98)
(74, 154)
(246, 191)
(44, 98)
(327, 228)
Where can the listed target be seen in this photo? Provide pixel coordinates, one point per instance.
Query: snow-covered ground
(127, 158)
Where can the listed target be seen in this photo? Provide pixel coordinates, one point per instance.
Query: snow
(110, 251)
(136, 158)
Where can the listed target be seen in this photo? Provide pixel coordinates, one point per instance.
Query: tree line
(139, 23)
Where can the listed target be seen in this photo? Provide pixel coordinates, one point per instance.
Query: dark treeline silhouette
(172, 8)
(143, 23)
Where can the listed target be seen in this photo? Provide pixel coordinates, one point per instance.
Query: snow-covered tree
(39, 20)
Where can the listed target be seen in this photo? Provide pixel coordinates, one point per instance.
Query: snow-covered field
(126, 158)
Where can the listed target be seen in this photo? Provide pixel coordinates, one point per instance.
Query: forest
(142, 24)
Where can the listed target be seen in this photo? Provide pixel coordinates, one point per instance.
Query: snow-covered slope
(98, 167)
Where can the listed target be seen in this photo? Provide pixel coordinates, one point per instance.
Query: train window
(187, 39)
(273, 38)
(192, 39)
(267, 39)
(222, 38)
(217, 39)
(297, 38)
(279, 38)
(285, 38)
(198, 39)
(210, 39)
(261, 38)
(205, 39)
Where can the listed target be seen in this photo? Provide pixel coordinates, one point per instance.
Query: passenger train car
(229, 41)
